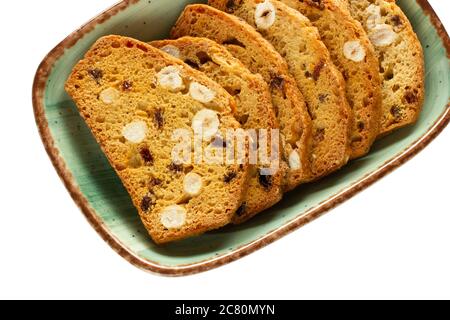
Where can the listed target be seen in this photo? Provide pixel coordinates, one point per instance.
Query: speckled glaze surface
(98, 192)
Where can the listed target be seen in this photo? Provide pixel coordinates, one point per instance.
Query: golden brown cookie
(401, 60)
(309, 61)
(354, 55)
(136, 98)
(260, 57)
(254, 110)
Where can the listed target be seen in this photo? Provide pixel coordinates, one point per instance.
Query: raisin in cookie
(354, 55)
(260, 57)
(254, 111)
(139, 102)
(401, 60)
(321, 83)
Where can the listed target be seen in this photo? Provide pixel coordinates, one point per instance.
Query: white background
(391, 241)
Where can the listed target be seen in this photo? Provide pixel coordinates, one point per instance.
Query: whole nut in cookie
(192, 184)
(265, 15)
(170, 78)
(373, 13)
(382, 35)
(135, 132)
(172, 50)
(109, 96)
(201, 93)
(173, 217)
(207, 123)
(294, 160)
(354, 51)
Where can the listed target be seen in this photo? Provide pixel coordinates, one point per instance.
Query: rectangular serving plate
(99, 193)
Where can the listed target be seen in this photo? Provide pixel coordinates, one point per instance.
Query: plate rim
(39, 85)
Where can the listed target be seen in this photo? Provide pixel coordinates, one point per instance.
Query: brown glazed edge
(39, 85)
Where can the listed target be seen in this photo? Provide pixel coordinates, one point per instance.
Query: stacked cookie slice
(327, 137)
(136, 99)
(400, 57)
(353, 54)
(319, 80)
(254, 110)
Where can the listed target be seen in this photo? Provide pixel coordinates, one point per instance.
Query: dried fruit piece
(147, 156)
(243, 119)
(265, 180)
(172, 50)
(354, 51)
(127, 85)
(154, 182)
(230, 176)
(109, 96)
(173, 217)
(277, 83)
(192, 184)
(410, 97)
(147, 202)
(176, 167)
(230, 6)
(206, 122)
(159, 118)
(319, 135)
(396, 21)
(323, 97)
(135, 132)
(382, 35)
(317, 69)
(170, 78)
(361, 126)
(396, 112)
(317, 3)
(241, 210)
(192, 64)
(201, 93)
(265, 15)
(203, 57)
(96, 74)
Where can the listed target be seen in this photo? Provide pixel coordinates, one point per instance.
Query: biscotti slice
(309, 62)
(254, 111)
(143, 107)
(260, 57)
(354, 55)
(401, 60)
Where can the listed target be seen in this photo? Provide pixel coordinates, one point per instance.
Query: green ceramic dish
(97, 190)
